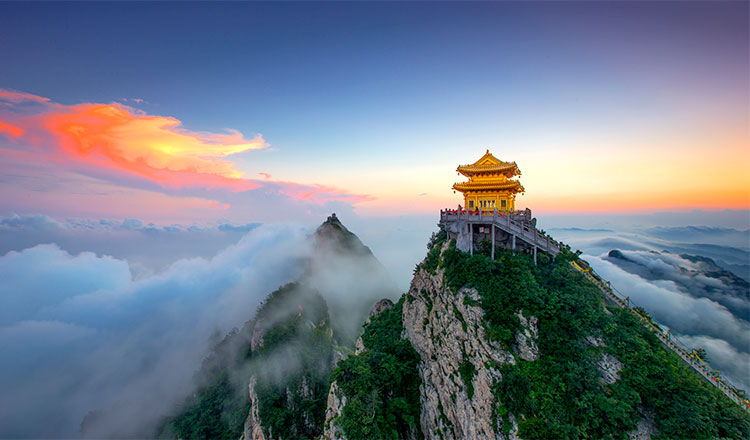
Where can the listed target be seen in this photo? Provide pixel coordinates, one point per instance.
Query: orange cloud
(11, 130)
(118, 137)
(151, 146)
(113, 141)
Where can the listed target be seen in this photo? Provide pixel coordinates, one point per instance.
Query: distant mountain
(581, 230)
(699, 276)
(270, 378)
(730, 258)
(703, 234)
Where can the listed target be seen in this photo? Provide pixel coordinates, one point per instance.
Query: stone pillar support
(471, 238)
(493, 240)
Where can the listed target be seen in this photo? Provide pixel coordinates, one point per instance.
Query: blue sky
(346, 93)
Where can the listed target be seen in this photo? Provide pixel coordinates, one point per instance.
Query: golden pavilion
(490, 185)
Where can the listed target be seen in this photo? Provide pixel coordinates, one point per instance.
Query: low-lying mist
(78, 333)
(690, 286)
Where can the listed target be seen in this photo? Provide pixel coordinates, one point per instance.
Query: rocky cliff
(507, 349)
(475, 349)
(457, 360)
(270, 379)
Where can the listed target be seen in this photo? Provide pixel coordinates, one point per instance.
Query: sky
(163, 164)
(268, 112)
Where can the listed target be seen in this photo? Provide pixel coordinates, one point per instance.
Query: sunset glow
(598, 136)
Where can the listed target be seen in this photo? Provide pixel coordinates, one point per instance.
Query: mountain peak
(332, 234)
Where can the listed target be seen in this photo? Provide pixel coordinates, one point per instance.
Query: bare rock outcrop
(379, 307)
(256, 337)
(609, 368)
(447, 331)
(646, 428)
(334, 407)
(608, 365)
(253, 429)
(525, 346)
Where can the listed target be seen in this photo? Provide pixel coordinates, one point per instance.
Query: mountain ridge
(476, 348)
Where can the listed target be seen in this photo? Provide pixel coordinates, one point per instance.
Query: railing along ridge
(692, 359)
(519, 219)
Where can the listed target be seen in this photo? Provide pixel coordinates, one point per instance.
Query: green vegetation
(560, 395)
(293, 367)
(292, 370)
(467, 371)
(381, 384)
(433, 259)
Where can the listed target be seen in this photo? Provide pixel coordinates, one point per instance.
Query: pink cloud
(219, 205)
(131, 148)
(115, 136)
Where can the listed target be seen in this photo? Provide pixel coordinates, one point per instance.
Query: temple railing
(517, 223)
(666, 338)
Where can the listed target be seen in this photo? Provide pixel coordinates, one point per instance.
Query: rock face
(609, 367)
(525, 346)
(334, 407)
(457, 359)
(253, 429)
(379, 307)
(256, 337)
(646, 427)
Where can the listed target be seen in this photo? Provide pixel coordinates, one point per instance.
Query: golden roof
(491, 165)
(508, 185)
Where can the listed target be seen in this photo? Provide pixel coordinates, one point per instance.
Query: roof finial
(488, 151)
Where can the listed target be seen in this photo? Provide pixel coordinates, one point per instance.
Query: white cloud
(78, 333)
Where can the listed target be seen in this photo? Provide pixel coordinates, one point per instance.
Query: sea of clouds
(693, 280)
(115, 316)
(80, 332)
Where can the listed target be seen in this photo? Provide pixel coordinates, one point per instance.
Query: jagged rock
(359, 346)
(379, 307)
(447, 332)
(646, 428)
(609, 368)
(525, 346)
(513, 433)
(253, 429)
(338, 354)
(336, 403)
(256, 338)
(594, 341)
